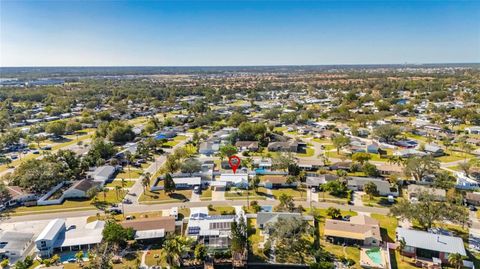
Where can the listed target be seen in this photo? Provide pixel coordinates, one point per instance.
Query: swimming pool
(375, 254)
(70, 255)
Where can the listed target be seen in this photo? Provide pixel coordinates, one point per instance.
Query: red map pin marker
(234, 162)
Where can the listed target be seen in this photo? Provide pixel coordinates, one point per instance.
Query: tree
(419, 167)
(79, 256)
(4, 263)
(387, 132)
(335, 188)
(283, 161)
(291, 239)
(370, 170)
(465, 167)
(253, 184)
(334, 213)
(227, 151)
(340, 141)
(4, 193)
(57, 128)
(239, 236)
(115, 234)
(168, 184)
(444, 180)
(200, 252)
(73, 126)
(286, 202)
(175, 247)
(38, 176)
(361, 157)
(248, 131)
(456, 260)
(145, 181)
(191, 166)
(371, 189)
(427, 211)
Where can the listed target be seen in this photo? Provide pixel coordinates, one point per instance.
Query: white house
(14, 244)
(239, 180)
(46, 239)
(187, 182)
(213, 231)
(103, 174)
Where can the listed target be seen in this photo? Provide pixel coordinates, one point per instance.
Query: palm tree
(130, 159)
(175, 247)
(79, 256)
(456, 259)
(123, 182)
(117, 190)
(146, 181)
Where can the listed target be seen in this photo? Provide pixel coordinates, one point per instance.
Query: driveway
(218, 195)
(195, 197)
(357, 198)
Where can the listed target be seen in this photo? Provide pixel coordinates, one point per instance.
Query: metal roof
(431, 241)
(51, 230)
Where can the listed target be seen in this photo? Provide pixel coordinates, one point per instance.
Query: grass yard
(118, 182)
(133, 173)
(156, 257)
(377, 201)
(162, 197)
(206, 194)
(388, 226)
(242, 194)
(309, 153)
(453, 156)
(325, 196)
(298, 193)
(255, 238)
(102, 201)
(221, 210)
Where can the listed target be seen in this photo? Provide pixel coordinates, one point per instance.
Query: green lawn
(156, 257)
(325, 196)
(242, 194)
(101, 201)
(378, 201)
(298, 193)
(133, 173)
(309, 153)
(206, 194)
(453, 156)
(221, 210)
(388, 226)
(255, 239)
(161, 197)
(118, 182)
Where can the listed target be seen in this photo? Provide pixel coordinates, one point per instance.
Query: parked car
(36, 152)
(472, 208)
(127, 201)
(197, 189)
(114, 210)
(313, 190)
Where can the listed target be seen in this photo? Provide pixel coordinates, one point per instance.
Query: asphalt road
(140, 208)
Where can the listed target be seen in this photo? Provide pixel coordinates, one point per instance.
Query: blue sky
(187, 33)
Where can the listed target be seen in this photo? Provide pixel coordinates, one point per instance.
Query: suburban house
(18, 196)
(383, 186)
(208, 148)
(187, 182)
(389, 169)
(55, 237)
(151, 228)
(414, 192)
(409, 152)
(239, 180)
(318, 180)
(360, 230)
(287, 146)
(341, 166)
(13, 245)
(473, 198)
(213, 231)
(103, 174)
(45, 241)
(277, 181)
(80, 189)
(266, 218)
(473, 130)
(310, 165)
(426, 245)
(247, 145)
(434, 150)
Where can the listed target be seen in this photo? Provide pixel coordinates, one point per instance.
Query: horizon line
(266, 65)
